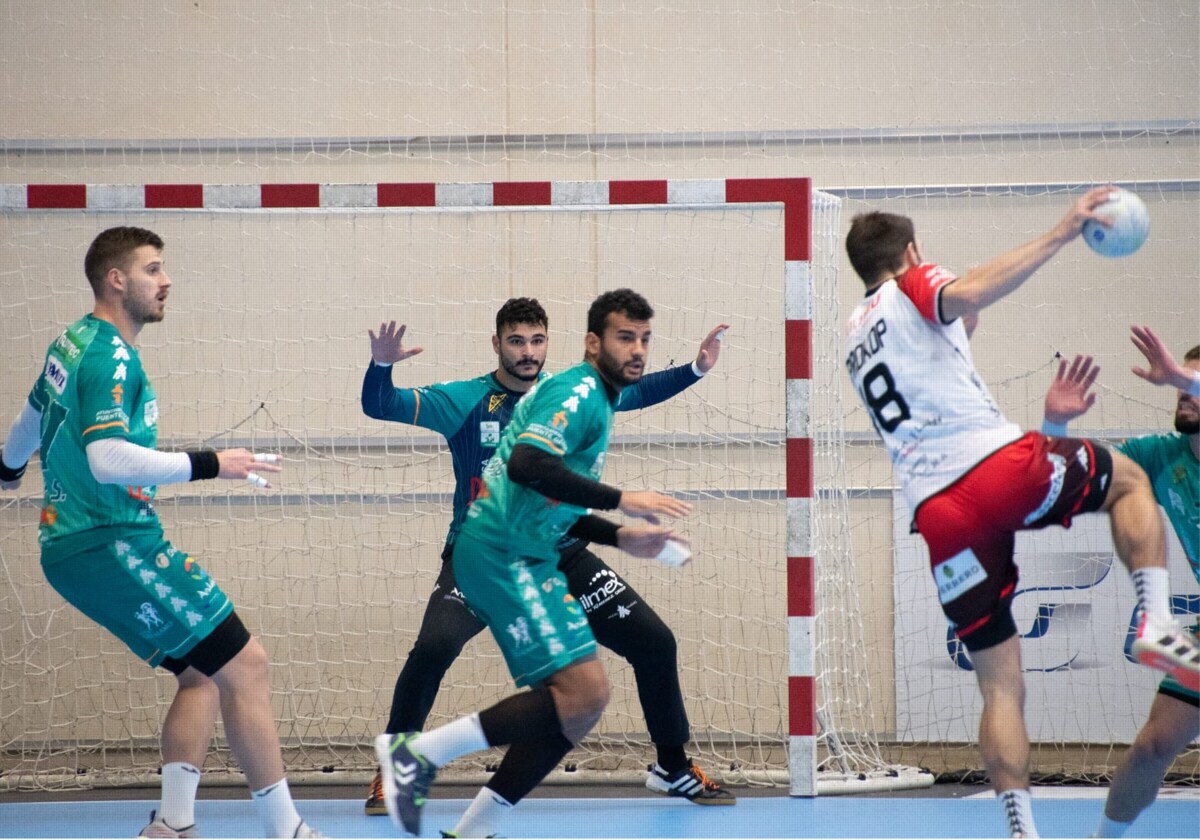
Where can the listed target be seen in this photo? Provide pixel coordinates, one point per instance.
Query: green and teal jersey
(569, 415)
(91, 387)
(1175, 475)
(472, 414)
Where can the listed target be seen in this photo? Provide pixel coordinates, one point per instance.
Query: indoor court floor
(1060, 812)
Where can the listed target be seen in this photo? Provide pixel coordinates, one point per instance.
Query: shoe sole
(666, 791)
(383, 751)
(376, 809)
(1185, 676)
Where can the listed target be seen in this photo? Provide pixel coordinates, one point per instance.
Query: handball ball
(1130, 224)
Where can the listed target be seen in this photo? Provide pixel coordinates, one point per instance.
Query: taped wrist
(205, 464)
(7, 473)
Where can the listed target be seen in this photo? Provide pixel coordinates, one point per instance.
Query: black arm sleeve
(546, 473)
(595, 529)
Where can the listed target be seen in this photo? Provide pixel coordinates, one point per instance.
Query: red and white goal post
(264, 345)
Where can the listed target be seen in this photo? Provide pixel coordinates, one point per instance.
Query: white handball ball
(1130, 224)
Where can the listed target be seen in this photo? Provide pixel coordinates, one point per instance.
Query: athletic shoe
(375, 806)
(407, 776)
(1166, 646)
(304, 830)
(452, 834)
(159, 828)
(690, 783)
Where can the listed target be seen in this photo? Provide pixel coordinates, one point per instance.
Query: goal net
(265, 345)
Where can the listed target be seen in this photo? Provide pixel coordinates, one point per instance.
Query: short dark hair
(876, 243)
(1192, 354)
(627, 301)
(521, 310)
(113, 248)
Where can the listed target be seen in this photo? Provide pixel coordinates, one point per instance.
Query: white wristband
(699, 373)
(1194, 389)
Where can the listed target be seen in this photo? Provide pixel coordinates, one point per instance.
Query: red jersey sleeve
(921, 285)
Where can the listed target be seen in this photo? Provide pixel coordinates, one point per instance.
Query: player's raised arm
(1163, 370)
(984, 285)
(657, 387)
(387, 347)
(1069, 395)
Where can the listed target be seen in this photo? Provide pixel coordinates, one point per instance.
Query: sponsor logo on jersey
(519, 630)
(56, 375)
(150, 619)
(489, 432)
(956, 576)
(151, 415)
(495, 401)
(69, 346)
(602, 588)
(559, 421)
(162, 561)
(49, 516)
(117, 393)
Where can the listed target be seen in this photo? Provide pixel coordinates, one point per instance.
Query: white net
(978, 120)
(265, 346)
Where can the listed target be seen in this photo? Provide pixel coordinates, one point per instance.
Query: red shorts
(970, 526)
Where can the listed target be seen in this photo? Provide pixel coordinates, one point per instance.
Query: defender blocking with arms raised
(94, 416)
(539, 487)
(472, 414)
(1172, 462)
(972, 479)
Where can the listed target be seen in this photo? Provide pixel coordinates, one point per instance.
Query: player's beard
(512, 369)
(145, 311)
(1185, 424)
(614, 372)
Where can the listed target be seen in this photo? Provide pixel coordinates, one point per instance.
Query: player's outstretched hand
(1164, 370)
(710, 348)
(242, 463)
(1084, 208)
(1070, 394)
(645, 540)
(387, 348)
(648, 505)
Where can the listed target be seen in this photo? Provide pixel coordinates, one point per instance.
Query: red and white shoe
(1166, 646)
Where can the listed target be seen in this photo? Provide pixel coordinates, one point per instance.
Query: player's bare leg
(1140, 539)
(250, 726)
(1003, 740)
(1172, 725)
(186, 735)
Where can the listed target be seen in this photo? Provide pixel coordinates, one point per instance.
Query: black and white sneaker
(691, 784)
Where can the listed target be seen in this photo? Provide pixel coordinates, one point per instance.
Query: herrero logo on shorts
(957, 575)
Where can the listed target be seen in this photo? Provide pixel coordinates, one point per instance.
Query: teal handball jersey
(1175, 476)
(91, 387)
(570, 415)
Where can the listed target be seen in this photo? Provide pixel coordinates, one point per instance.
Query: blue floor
(554, 817)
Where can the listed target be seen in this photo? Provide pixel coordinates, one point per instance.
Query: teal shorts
(524, 601)
(150, 595)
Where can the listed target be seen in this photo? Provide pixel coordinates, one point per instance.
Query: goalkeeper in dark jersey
(472, 414)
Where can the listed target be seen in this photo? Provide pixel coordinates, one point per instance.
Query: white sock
(446, 743)
(177, 808)
(1018, 809)
(482, 818)
(277, 810)
(1111, 828)
(1153, 587)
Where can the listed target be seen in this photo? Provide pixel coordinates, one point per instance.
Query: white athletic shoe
(159, 828)
(306, 830)
(1166, 646)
